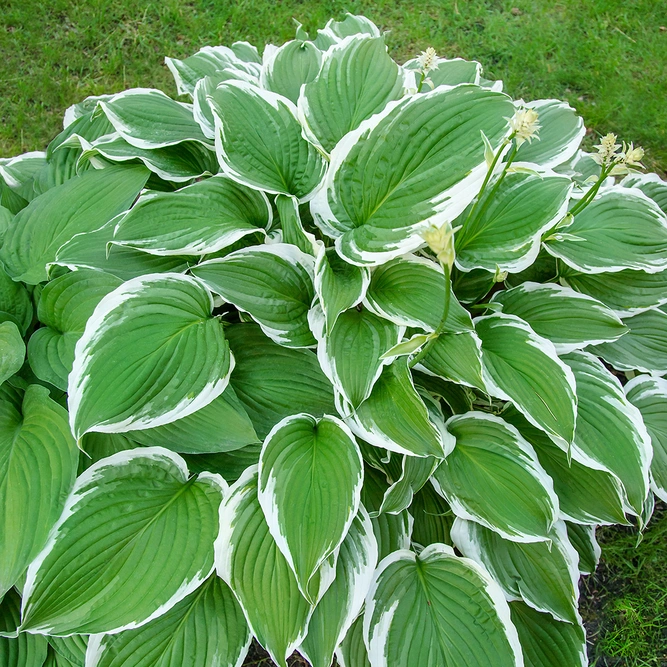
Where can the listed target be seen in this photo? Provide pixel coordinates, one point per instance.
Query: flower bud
(441, 241)
(428, 60)
(524, 126)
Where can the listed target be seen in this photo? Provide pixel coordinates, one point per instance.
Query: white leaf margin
(280, 104)
(375, 638)
(78, 379)
(286, 251)
(124, 130)
(224, 550)
(625, 407)
(359, 577)
(269, 506)
(546, 347)
(94, 473)
(653, 386)
(463, 536)
(448, 205)
(558, 291)
(531, 465)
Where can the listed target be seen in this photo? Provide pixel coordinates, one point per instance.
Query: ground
(606, 57)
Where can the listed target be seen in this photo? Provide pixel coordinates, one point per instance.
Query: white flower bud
(607, 150)
(441, 241)
(524, 126)
(427, 60)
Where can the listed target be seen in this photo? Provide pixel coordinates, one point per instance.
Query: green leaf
(38, 461)
(338, 285)
(289, 67)
(10, 613)
(207, 61)
(274, 382)
(544, 574)
(570, 320)
(64, 307)
(10, 201)
(15, 303)
(197, 220)
(472, 286)
(625, 292)
(610, 431)
(649, 395)
(352, 650)
(457, 398)
(344, 599)
(385, 184)
(205, 87)
(147, 118)
(407, 347)
(506, 226)
(205, 628)
(309, 521)
(72, 649)
(82, 204)
(259, 141)
(178, 163)
(643, 348)
(392, 531)
(23, 651)
(456, 357)
(105, 568)
(547, 642)
(432, 516)
(585, 494)
(620, 229)
(97, 446)
(651, 185)
(221, 426)
(19, 171)
(561, 133)
(291, 227)
(230, 465)
(13, 350)
(493, 477)
(410, 291)
(93, 250)
(436, 608)
(450, 72)
(351, 354)
(394, 416)
(543, 270)
(140, 363)
(415, 472)
(264, 588)
(357, 80)
(352, 24)
(522, 367)
(583, 540)
(272, 283)
(246, 52)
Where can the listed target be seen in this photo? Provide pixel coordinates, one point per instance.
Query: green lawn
(608, 58)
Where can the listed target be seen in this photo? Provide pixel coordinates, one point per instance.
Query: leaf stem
(440, 328)
(590, 195)
(489, 174)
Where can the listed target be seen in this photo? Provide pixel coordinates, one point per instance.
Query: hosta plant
(344, 355)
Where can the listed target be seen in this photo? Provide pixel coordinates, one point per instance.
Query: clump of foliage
(394, 309)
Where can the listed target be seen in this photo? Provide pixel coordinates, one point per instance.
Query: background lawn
(608, 58)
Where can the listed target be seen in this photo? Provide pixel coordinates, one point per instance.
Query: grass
(625, 601)
(606, 57)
